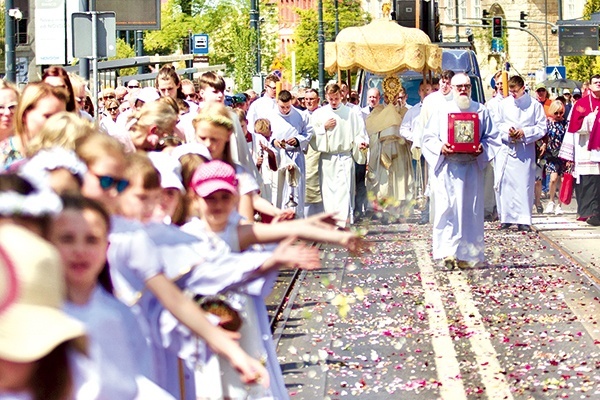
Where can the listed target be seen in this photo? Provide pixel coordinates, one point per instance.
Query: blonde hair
(62, 130)
(555, 106)
(93, 147)
(4, 84)
(140, 165)
(33, 93)
(155, 113)
(216, 114)
(262, 125)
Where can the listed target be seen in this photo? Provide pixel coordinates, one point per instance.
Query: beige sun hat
(33, 324)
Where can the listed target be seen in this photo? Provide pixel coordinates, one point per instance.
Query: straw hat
(34, 324)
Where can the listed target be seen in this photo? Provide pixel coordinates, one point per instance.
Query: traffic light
(485, 16)
(497, 27)
(523, 17)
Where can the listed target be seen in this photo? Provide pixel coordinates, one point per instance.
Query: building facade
(528, 52)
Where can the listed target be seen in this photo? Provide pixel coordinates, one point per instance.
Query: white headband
(35, 204)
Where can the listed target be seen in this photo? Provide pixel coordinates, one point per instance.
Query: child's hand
(251, 370)
(297, 255)
(323, 220)
(284, 215)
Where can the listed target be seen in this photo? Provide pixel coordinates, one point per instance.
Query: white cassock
(515, 162)
(263, 107)
(313, 202)
(336, 164)
(269, 177)
(458, 189)
(292, 182)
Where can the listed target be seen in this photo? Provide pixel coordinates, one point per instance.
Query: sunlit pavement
(395, 324)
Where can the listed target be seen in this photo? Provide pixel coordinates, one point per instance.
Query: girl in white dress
(117, 345)
(215, 186)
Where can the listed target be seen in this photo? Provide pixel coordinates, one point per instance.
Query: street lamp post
(321, 40)
(254, 24)
(10, 55)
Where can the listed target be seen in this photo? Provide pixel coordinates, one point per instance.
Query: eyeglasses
(190, 96)
(559, 113)
(465, 86)
(272, 87)
(111, 109)
(107, 182)
(110, 96)
(133, 86)
(11, 107)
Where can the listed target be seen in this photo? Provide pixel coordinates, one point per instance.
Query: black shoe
(540, 209)
(504, 226)
(593, 221)
(424, 219)
(524, 228)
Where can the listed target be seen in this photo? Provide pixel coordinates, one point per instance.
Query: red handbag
(566, 188)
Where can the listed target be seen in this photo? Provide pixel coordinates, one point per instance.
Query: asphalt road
(394, 324)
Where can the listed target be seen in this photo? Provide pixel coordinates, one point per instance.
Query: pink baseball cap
(213, 176)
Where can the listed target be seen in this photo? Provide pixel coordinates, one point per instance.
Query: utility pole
(84, 63)
(9, 29)
(254, 13)
(139, 47)
(457, 17)
(321, 41)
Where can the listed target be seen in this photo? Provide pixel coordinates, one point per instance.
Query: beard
(463, 102)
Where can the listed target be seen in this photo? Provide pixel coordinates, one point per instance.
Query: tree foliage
(231, 40)
(582, 67)
(306, 46)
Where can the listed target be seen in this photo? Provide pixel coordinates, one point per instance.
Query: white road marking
(447, 367)
(496, 386)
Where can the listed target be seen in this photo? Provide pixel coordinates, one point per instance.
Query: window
(477, 8)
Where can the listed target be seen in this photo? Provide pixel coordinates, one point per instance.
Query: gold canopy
(382, 47)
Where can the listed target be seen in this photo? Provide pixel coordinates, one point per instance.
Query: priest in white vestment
(390, 173)
(521, 122)
(337, 129)
(458, 208)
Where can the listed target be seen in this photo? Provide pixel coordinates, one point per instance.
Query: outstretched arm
(189, 314)
(314, 228)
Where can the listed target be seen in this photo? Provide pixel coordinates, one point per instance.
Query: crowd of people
(133, 260)
(523, 140)
(139, 239)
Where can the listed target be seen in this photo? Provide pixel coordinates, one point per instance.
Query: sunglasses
(112, 109)
(110, 97)
(108, 182)
(133, 86)
(272, 87)
(558, 113)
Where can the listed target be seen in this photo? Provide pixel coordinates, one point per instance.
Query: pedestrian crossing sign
(554, 72)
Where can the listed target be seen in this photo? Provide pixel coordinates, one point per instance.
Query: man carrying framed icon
(458, 142)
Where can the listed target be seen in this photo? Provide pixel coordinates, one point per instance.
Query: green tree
(582, 67)
(124, 50)
(350, 13)
(231, 41)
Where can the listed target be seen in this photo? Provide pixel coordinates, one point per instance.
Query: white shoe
(558, 210)
(549, 208)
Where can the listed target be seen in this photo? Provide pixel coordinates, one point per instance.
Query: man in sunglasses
(458, 191)
(521, 122)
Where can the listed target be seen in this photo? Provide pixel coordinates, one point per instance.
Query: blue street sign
(555, 72)
(200, 44)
